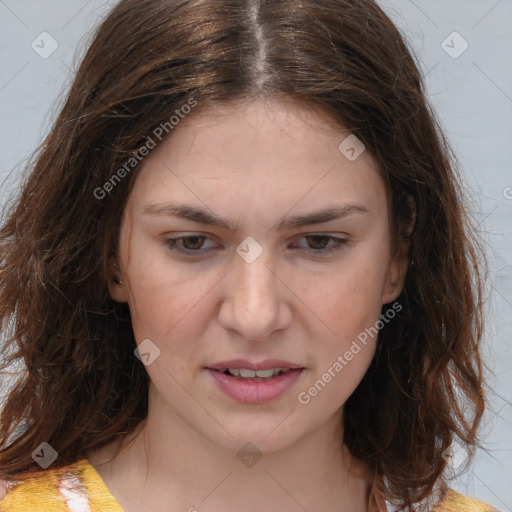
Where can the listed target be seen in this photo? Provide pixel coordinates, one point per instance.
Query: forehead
(267, 154)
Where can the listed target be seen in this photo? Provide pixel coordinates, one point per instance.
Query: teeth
(247, 373)
(264, 374)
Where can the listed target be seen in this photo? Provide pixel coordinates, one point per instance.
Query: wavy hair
(81, 387)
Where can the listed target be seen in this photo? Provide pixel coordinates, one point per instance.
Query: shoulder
(4, 487)
(456, 502)
(48, 490)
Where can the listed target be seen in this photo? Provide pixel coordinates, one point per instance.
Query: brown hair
(83, 387)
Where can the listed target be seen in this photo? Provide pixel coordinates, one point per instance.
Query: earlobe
(399, 264)
(395, 278)
(117, 290)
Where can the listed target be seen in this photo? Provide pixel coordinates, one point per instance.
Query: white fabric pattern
(73, 493)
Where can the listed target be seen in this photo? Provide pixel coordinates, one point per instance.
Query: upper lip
(250, 365)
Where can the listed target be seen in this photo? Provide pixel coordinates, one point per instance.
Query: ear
(117, 289)
(399, 263)
(395, 277)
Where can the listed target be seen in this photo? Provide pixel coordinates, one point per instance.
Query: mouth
(254, 375)
(263, 382)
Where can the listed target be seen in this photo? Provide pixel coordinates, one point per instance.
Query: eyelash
(172, 244)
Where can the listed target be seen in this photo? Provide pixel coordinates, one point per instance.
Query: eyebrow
(203, 216)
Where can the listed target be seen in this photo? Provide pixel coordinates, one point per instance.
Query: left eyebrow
(320, 216)
(203, 216)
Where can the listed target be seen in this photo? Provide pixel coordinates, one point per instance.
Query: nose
(255, 300)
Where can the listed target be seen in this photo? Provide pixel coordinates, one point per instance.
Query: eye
(319, 243)
(187, 245)
(193, 245)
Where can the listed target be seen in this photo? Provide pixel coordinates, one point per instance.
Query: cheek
(335, 381)
(159, 313)
(343, 300)
(160, 300)
(349, 306)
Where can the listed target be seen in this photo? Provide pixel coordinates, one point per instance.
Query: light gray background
(471, 93)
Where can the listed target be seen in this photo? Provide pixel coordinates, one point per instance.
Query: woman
(240, 273)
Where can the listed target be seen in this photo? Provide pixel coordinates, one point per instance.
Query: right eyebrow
(203, 216)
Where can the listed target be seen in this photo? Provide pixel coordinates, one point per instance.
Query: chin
(266, 436)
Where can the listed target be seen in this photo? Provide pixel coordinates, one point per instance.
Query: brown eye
(318, 241)
(188, 245)
(193, 243)
(323, 244)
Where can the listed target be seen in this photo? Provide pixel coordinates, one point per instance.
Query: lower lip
(255, 391)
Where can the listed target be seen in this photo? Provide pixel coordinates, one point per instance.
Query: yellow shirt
(79, 488)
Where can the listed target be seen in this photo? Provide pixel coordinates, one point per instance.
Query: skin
(252, 163)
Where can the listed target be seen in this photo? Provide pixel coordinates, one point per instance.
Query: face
(251, 242)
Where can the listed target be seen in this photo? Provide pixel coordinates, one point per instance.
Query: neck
(165, 464)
